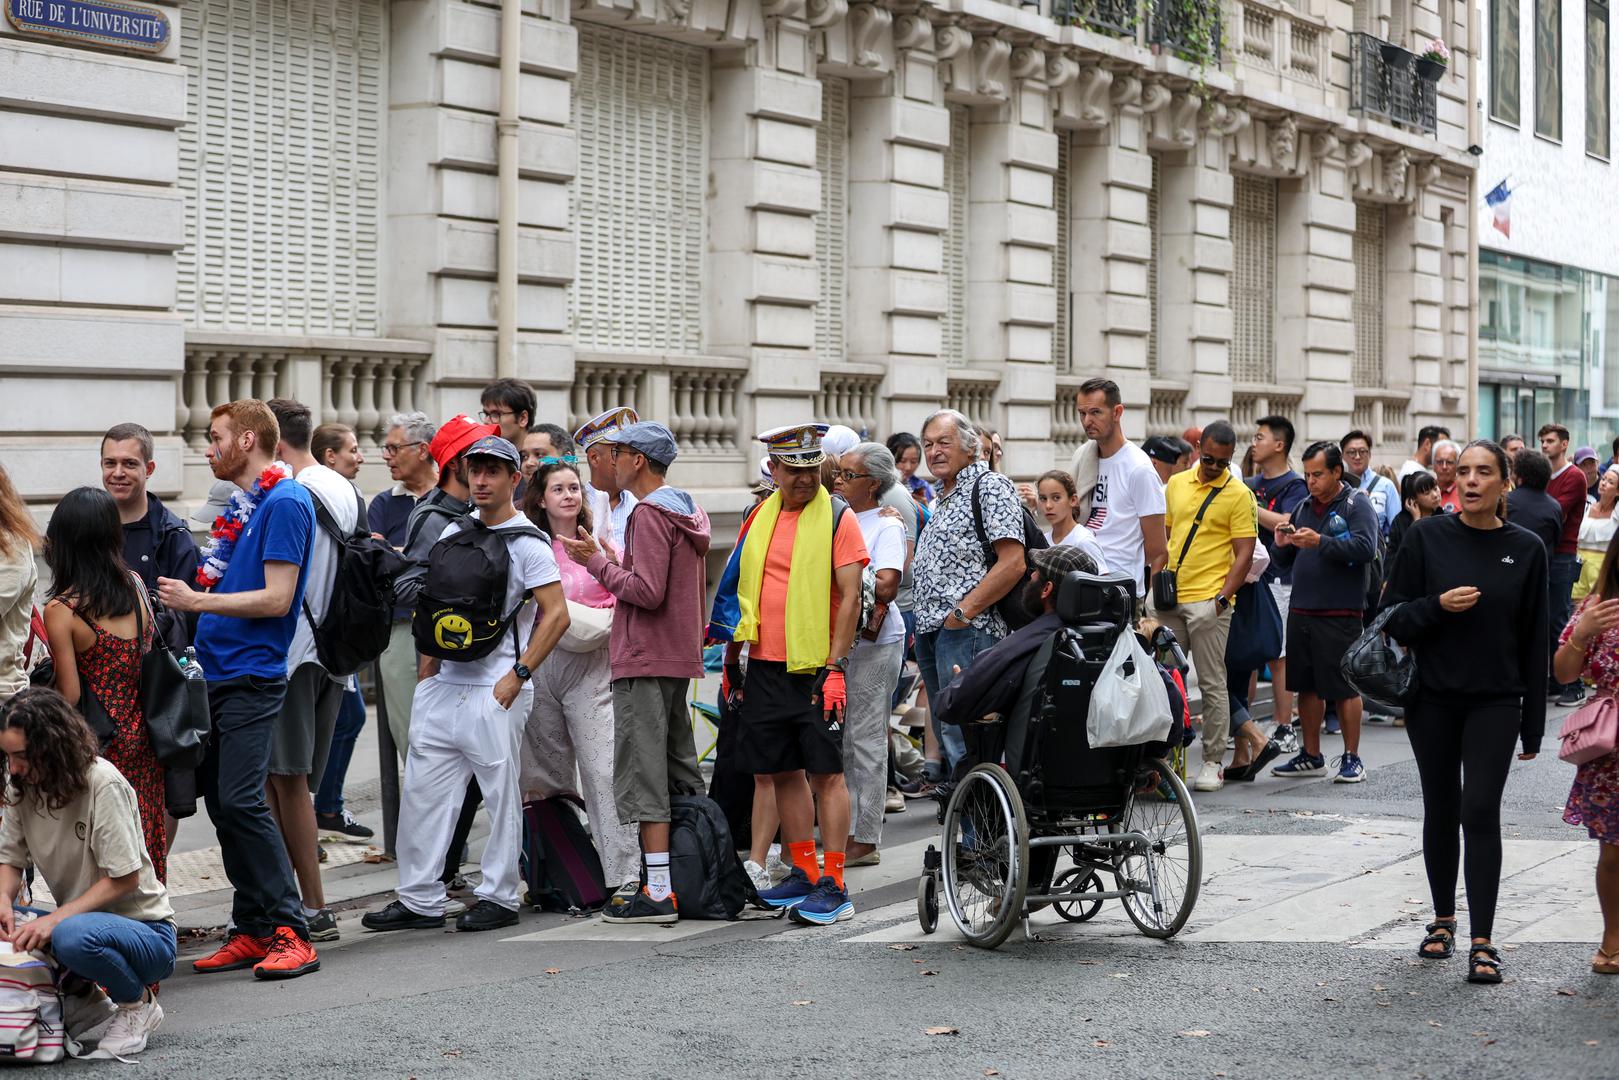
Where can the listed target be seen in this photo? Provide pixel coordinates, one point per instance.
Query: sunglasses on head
(566, 459)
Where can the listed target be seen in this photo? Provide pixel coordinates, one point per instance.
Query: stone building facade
(738, 213)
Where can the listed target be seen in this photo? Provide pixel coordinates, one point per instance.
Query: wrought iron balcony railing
(1117, 17)
(1189, 28)
(1383, 82)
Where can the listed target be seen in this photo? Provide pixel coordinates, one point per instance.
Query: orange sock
(803, 856)
(834, 867)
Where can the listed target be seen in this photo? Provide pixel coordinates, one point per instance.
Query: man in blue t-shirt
(1277, 489)
(243, 636)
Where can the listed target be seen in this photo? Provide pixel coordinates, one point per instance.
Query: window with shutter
(1061, 354)
(281, 165)
(1152, 271)
(832, 223)
(638, 108)
(1253, 279)
(1368, 301)
(954, 346)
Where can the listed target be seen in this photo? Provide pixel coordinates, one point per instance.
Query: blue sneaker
(1302, 764)
(793, 890)
(823, 907)
(1350, 770)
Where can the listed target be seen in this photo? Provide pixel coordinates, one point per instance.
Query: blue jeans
(350, 719)
(937, 652)
(232, 781)
(1563, 573)
(120, 954)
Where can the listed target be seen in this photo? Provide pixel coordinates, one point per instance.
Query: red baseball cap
(455, 435)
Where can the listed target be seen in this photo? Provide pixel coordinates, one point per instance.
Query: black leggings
(1453, 740)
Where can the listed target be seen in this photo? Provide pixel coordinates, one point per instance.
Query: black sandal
(1484, 964)
(1440, 932)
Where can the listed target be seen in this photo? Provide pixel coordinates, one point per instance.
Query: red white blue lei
(228, 527)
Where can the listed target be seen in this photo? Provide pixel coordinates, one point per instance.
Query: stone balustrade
(848, 396)
(703, 413)
(1274, 37)
(1066, 430)
(973, 398)
(702, 406)
(1166, 410)
(1249, 402)
(360, 382)
(1383, 417)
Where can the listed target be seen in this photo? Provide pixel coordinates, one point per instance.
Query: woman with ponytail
(1468, 593)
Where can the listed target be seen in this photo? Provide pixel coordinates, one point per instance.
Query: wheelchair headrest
(1096, 598)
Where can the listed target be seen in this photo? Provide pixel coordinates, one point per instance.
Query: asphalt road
(1299, 962)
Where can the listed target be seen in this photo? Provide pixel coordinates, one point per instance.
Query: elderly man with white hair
(962, 568)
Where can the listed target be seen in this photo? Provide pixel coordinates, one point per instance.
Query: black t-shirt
(1279, 494)
(1539, 513)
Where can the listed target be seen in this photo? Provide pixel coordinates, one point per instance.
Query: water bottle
(189, 665)
(1336, 526)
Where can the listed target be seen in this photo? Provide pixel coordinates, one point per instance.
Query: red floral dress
(111, 669)
(1593, 801)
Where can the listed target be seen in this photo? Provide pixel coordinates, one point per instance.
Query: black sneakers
(486, 915)
(323, 927)
(343, 825)
(641, 908)
(396, 916)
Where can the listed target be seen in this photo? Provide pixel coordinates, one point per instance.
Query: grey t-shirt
(911, 515)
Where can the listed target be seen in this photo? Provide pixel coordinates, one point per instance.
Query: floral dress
(1593, 801)
(111, 670)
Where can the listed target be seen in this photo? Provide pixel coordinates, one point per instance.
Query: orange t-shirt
(847, 547)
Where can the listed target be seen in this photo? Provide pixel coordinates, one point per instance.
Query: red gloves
(834, 695)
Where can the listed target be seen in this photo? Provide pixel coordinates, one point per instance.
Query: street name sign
(108, 23)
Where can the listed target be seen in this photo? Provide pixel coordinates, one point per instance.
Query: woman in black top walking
(1469, 593)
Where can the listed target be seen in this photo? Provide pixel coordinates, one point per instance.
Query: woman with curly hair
(99, 626)
(74, 816)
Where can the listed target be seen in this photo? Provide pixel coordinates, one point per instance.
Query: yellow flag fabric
(809, 584)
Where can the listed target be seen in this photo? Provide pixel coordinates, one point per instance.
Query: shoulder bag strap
(978, 525)
(1190, 533)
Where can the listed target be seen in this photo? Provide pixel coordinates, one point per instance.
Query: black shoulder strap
(1214, 493)
(327, 523)
(978, 521)
(427, 508)
(840, 506)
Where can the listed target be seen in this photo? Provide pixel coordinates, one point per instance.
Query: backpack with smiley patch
(461, 611)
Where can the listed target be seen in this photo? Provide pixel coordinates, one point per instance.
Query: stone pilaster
(1414, 294)
(899, 129)
(443, 199)
(1315, 330)
(764, 194)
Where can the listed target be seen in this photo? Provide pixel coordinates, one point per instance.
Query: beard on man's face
(1034, 605)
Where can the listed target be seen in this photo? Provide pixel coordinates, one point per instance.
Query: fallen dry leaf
(1435, 1023)
(452, 1053)
(1384, 1004)
(1195, 1033)
(902, 947)
(924, 971)
(1375, 986)
(992, 1072)
(805, 1002)
(1591, 1042)
(1563, 991)
(377, 858)
(941, 1031)
(553, 971)
(1329, 999)
(1089, 963)
(1100, 1043)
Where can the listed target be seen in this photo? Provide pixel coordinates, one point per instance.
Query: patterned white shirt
(950, 560)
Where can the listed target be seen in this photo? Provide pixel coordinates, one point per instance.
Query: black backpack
(360, 614)
(1011, 605)
(708, 878)
(460, 614)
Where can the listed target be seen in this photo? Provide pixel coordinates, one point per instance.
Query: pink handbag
(1592, 731)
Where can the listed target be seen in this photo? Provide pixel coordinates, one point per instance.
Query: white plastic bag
(1129, 705)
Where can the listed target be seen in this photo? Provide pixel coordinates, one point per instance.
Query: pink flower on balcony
(1437, 51)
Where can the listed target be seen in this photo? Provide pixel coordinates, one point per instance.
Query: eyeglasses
(493, 416)
(1362, 452)
(394, 448)
(847, 475)
(1211, 462)
(616, 450)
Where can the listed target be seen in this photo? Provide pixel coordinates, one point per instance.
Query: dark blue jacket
(1332, 577)
(160, 545)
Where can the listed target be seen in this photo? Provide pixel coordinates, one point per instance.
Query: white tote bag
(588, 628)
(1129, 705)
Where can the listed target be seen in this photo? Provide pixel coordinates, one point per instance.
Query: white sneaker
(1209, 778)
(777, 869)
(758, 875)
(126, 1035)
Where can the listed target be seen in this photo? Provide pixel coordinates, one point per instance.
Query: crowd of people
(859, 561)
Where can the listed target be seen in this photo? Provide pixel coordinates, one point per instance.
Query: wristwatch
(961, 616)
(840, 664)
(1222, 601)
(522, 672)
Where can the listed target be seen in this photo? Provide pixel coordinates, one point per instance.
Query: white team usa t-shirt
(1127, 489)
(532, 565)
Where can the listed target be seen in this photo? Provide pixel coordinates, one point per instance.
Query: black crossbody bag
(1165, 592)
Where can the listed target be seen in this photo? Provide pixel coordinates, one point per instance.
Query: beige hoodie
(17, 580)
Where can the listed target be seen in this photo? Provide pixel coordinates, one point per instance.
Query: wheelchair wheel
(927, 902)
(1077, 910)
(1161, 879)
(986, 856)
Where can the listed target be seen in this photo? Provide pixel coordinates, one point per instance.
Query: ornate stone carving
(1395, 170)
(1027, 63)
(1356, 153)
(1154, 96)
(1060, 70)
(781, 9)
(950, 42)
(823, 13)
(912, 32)
(677, 11)
(1428, 174)
(1083, 101)
(1284, 139)
(989, 58)
(1323, 144)
(867, 22)
(1235, 120)
(1126, 88)
(1182, 117)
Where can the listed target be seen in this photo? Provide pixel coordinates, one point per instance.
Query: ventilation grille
(1152, 271)
(832, 223)
(1061, 351)
(955, 241)
(1368, 366)
(1253, 279)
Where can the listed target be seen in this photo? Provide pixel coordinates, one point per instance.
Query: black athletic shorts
(1316, 645)
(782, 728)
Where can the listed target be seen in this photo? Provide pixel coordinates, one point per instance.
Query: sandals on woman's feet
(1441, 932)
(1605, 963)
(1483, 964)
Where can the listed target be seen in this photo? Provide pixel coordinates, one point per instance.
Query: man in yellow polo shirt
(1212, 521)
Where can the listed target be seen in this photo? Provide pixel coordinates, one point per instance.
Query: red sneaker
(238, 952)
(288, 957)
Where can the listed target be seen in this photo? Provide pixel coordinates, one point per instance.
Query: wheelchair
(1039, 791)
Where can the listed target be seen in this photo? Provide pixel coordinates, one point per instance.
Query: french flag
(1499, 200)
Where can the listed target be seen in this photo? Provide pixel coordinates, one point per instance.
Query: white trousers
(568, 747)
(458, 732)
